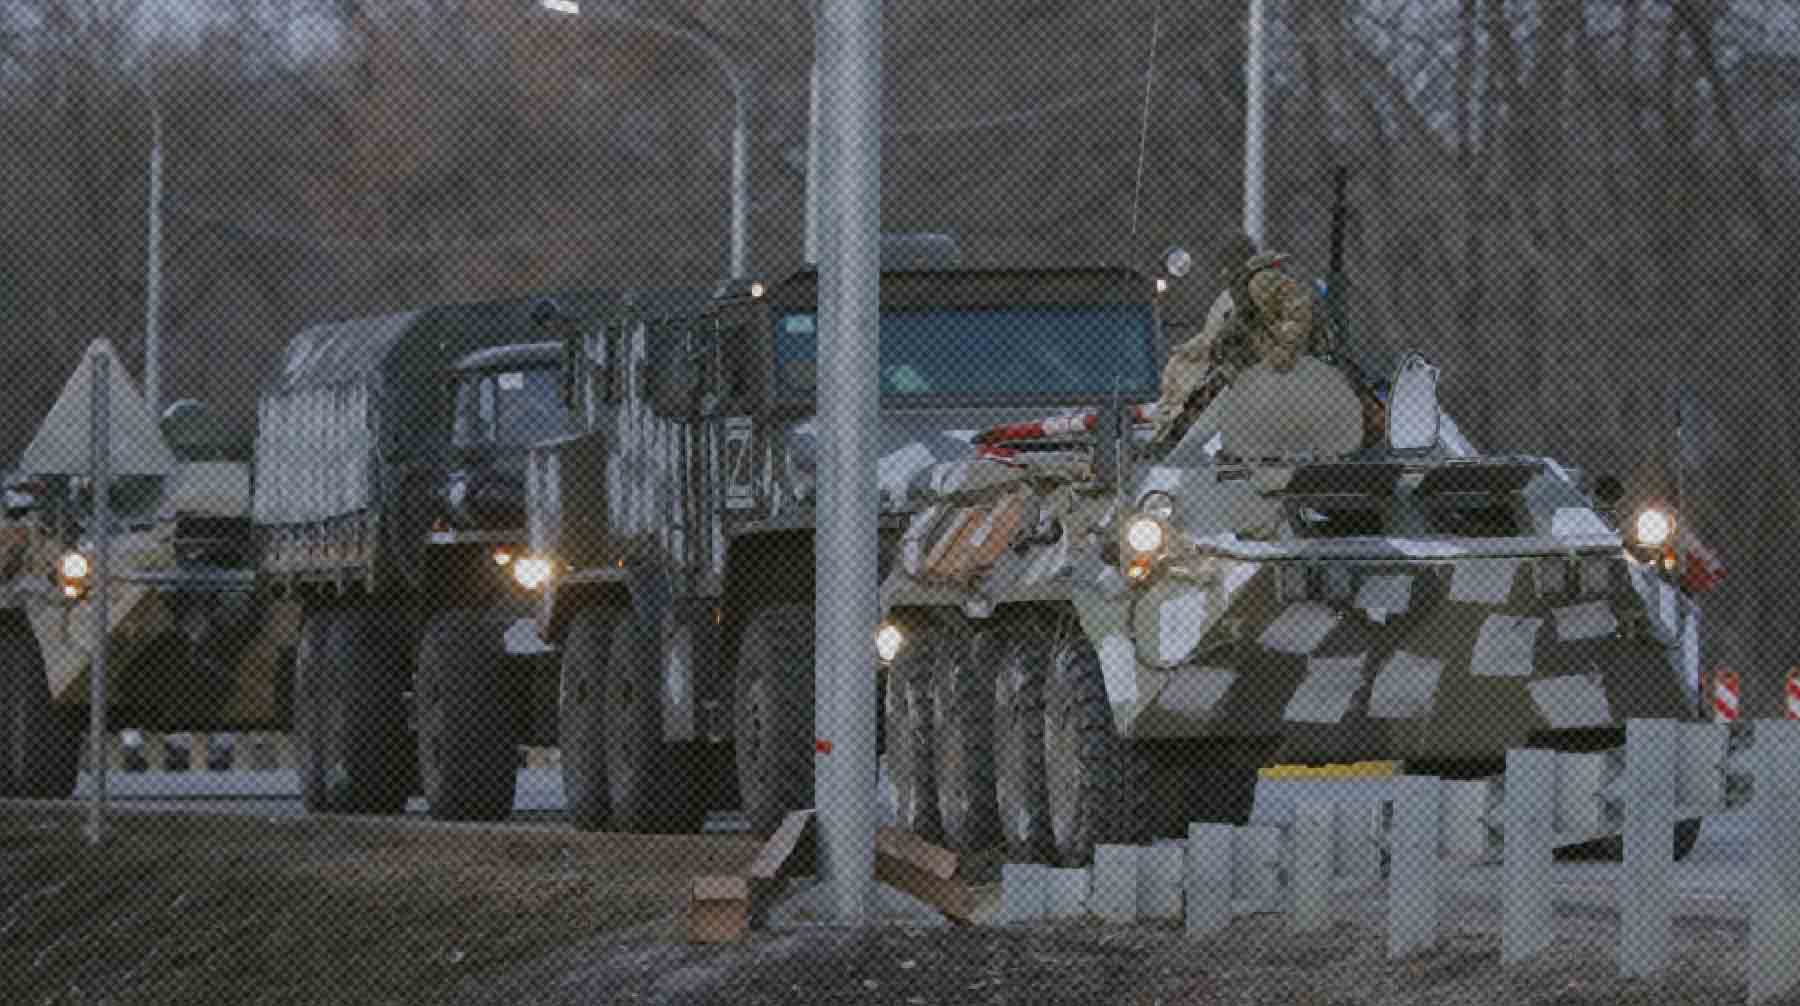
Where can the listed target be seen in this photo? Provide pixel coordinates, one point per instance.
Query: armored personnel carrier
(190, 646)
(1114, 635)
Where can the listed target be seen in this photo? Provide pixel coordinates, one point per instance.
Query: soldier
(1191, 362)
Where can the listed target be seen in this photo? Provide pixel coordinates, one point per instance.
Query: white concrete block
(1774, 956)
(1415, 880)
(1464, 808)
(1209, 884)
(1067, 893)
(1024, 892)
(1160, 882)
(1647, 885)
(1256, 870)
(1356, 841)
(1312, 865)
(1115, 893)
(1702, 782)
(1580, 808)
(1530, 813)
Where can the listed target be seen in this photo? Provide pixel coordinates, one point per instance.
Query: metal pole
(100, 456)
(812, 161)
(1253, 128)
(848, 40)
(153, 269)
(740, 189)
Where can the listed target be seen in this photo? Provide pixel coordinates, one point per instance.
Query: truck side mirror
(1412, 413)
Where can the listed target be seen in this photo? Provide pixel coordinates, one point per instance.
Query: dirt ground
(206, 909)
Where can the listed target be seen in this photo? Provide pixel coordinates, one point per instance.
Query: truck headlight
(532, 573)
(888, 639)
(74, 566)
(1654, 526)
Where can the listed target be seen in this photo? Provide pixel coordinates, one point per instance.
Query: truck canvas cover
(355, 392)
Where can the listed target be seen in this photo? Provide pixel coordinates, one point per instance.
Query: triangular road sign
(61, 444)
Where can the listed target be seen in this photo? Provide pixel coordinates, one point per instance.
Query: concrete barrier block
(1774, 956)
(1466, 812)
(1257, 870)
(1209, 884)
(1415, 881)
(1067, 893)
(1160, 882)
(1700, 789)
(1115, 893)
(1647, 887)
(1024, 892)
(1311, 840)
(1530, 813)
(1356, 842)
(1581, 809)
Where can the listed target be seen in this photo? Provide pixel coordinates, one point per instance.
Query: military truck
(390, 510)
(191, 647)
(1158, 620)
(681, 522)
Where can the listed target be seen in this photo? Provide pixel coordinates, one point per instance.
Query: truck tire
(1022, 657)
(774, 715)
(906, 711)
(653, 787)
(350, 722)
(1097, 782)
(468, 753)
(40, 752)
(581, 718)
(962, 734)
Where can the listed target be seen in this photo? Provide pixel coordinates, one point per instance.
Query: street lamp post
(740, 126)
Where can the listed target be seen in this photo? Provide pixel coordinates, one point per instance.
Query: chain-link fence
(477, 478)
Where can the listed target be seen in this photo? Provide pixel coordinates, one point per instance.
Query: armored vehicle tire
(906, 709)
(467, 749)
(581, 723)
(1022, 658)
(350, 724)
(774, 715)
(40, 753)
(962, 733)
(653, 787)
(1097, 782)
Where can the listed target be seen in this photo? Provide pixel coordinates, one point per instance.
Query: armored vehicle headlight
(1145, 534)
(1654, 526)
(1157, 504)
(887, 642)
(74, 566)
(532, 573)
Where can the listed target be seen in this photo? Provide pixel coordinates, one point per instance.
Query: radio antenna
(1144, 123)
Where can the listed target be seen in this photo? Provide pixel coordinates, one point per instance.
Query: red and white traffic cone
(1725, 696)
(1792, 707)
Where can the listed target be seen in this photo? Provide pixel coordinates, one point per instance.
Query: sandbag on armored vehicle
(1269, 590)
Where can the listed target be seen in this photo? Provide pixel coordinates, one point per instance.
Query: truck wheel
(962, 736)
(351, 726)
(467, 751)
(653, 787)
(906, 710)
(774, 715)
(40, 753)
(581, 724)
(1096, 781)
(1022, 654)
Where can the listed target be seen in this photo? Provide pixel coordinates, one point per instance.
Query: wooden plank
(931, 860)
(947, 895)
(773, 860)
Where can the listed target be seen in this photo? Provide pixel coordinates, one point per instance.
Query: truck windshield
(514, 408)
(1077, 351)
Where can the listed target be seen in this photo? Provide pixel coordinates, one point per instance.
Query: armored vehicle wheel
(467, 748)
(653, 787)
(962, 733)
(1097, 782)
(581, 724)
(906, 709)
(349, 721)
(40, 753)
(1021, 658)
(774, 714)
